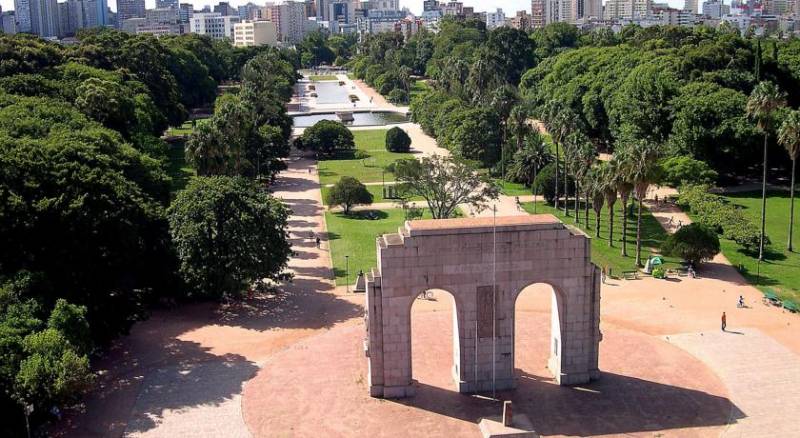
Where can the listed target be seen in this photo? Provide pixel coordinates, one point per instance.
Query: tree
(397, 140)
(328, 138)
(681, 170)
(70, 320)
(228, 234)
(348, 192)
(596, 191)
(624, 188)
(528, 160)
(694, 243)
(642, 168)
(107, 102)
(764, 100)
(789, 137)
(444, 183)
(610, 184)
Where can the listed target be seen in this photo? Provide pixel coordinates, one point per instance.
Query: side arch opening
(435, 339)
(538, 322)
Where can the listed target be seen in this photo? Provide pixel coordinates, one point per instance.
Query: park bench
(771, 298)
(791, 306)
(630, 275)
(682, 272)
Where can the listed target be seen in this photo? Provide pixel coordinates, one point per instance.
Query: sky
(509, 6)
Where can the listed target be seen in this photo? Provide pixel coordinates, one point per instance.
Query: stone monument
(484, 263)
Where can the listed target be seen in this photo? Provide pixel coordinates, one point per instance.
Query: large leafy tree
(327, 137)
(348, 192)
(642, 170)
(444, 183)
(765, 99)
(789, 137)
(228, 234)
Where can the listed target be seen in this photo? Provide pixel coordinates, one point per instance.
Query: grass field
(179, 170)
(377, 195)
(418, 88)
(185, 129)
(354, 236)
(653, 235)
(780, 269)
(513, 189)
(315, 78)
(373, 142)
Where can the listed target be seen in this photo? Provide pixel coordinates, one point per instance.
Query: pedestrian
(603, 275)
(656, 200)
(740, 304)
(318, 241)
(724, 321)
(519, 206)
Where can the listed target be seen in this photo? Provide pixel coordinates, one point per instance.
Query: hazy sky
(509, 6)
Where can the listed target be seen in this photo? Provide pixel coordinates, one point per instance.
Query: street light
(347, 272)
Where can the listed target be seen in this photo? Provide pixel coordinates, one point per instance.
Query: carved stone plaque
(485, 321)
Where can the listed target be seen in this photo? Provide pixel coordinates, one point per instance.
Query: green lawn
(179, 170)
(373, 142)
(355, 235)
(780, 269)
(513, 189)
(418, 88)
(315, 78)
(377, 195)
(185, 129)
(653, 235)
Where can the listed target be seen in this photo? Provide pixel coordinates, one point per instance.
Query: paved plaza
(293, 364)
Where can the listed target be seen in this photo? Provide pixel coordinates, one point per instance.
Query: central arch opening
(537, 334)
(434, 339)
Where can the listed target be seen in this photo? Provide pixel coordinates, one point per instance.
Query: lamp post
(347, 272)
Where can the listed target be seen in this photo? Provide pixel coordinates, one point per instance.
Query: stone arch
(557, 319)
(457, 333)
(484, 263)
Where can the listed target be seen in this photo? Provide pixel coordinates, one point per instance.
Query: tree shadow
(615, 404)
(364, 215)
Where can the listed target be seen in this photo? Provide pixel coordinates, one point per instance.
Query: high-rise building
(100, 13)
(690, 5)
(213, 24)
(715, 9)
(129, 9)
(8, 22)
(289, 17)
(225, 9)
(162, 4)
(521, 21)
(255, 33)
(538, 13)
(44, 18)
(495, 19)
(22, 15)
(430, 5)
(628, 9)
(322, 9)
(185, 12)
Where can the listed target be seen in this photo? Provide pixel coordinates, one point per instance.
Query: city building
(225, 9)
(22, 15)
(715, 9)
(409, 27)
(185, 12)
(378, 21)
(430, 5)
(45, 19)
(495, 19)
(213, 24)
(690, 5)
(538, 13)
(628, 9)
(162, 4)
(127, 9)
(522, 21)
(162, 15)
(255, 33)
(8, 22)
(250, 11)
(289, 17)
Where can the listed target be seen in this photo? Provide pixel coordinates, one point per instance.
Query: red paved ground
(318, 388)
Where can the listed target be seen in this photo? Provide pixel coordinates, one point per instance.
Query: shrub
(683, 170)
(694, 242)
(715, 212)
(544, 184)
(398, 95)
(347, 193)
(659, 272)
(397, 140)
(327, 137)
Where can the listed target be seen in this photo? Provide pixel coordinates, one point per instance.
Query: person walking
(724, 321)
(318, 241)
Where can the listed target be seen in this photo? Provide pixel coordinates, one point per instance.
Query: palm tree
(624, 188)
(789, 137)
(763, 101)
(528, 160)
(586, 157)
(518, 124)
(559, 121)
(610, 177)
(642, 169)
(596, 190)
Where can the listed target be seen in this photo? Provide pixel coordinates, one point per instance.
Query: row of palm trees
(633, 167)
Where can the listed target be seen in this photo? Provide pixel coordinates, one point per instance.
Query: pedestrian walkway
(761, 376)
